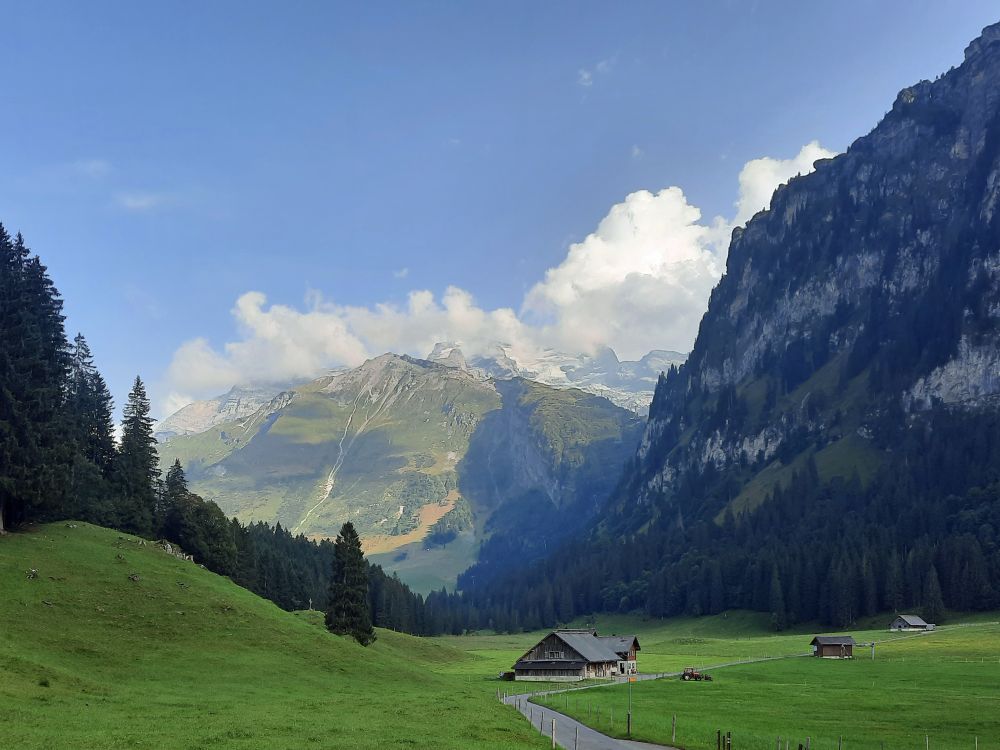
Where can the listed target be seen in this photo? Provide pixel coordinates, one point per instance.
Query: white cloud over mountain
(640, 281)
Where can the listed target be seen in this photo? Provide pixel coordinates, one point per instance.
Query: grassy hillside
(181, 657)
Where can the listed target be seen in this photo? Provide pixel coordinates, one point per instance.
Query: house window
(553, 654)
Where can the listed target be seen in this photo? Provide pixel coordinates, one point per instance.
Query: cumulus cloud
(640, 281)
(760, 177)
(644, 274)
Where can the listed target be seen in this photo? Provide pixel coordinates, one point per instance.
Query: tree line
(59, 459)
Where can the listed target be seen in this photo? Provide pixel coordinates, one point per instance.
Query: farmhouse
(910, 622)
(570, 655)
(833, 646)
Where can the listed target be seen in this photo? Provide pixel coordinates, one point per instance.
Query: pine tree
(779, 618)
(348, 610)
(90, 432)
(933, 603)
(137, 471)
(34, 461)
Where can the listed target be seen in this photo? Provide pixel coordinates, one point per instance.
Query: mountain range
(427, 458)
(831, 446)
(627, 384)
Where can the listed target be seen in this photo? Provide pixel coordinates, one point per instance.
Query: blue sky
(165, 160)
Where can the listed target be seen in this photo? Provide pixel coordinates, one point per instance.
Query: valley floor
(939, 689)
(114, 643)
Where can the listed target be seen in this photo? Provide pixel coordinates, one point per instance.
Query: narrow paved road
(572, 735)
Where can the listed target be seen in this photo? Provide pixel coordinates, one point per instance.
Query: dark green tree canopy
(348, 611)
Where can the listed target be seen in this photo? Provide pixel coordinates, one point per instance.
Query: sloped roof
(913, 620)
(833, 640)
(620, 644)
(589, 646)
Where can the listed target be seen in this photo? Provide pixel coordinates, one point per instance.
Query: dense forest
(923, 532)
(59, 460)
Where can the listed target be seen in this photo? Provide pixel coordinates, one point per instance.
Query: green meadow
(940, 690)
(184, 658)
(181, 657)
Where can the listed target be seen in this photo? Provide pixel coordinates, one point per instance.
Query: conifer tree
(90, 432)
(137, 470)
(933, 603)
(779, 618)
(348, 612)
(33, 372)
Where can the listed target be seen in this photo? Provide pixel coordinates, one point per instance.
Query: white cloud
(93, 168)
(760, 177)
(636, 152)
(585, 77)
(640, 281)
(140, 201)
(401, 273)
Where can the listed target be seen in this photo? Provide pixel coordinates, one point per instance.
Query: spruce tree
(779, 618)
(90, 433)
(33, 373)
(137, 470)
(348, 611)
(933, 603)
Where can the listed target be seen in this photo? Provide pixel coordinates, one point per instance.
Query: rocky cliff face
(871, 287)
(239, 402)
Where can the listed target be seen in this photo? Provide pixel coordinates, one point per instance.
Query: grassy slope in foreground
(945, 685)
(185, 658)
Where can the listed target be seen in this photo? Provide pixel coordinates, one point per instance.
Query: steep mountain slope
(832, 444)
(425, 459)
(180, 657)
(871, 284)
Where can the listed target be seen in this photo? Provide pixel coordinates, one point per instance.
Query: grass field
(944, 686)
(183, 658)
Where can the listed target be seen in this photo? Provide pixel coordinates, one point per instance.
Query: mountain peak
(978, 46)
(448, 353)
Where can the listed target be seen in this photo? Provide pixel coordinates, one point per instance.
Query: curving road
(572, 735)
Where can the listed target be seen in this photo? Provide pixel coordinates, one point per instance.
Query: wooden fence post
(779, 742)
(673, 728)
(840, 743)
(729, 741)
(553, 734)
(576, 739)
(808, 742)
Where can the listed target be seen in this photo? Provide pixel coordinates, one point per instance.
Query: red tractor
(690, 673)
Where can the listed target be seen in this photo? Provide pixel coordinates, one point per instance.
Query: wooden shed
(833, 646)
(910, 622)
